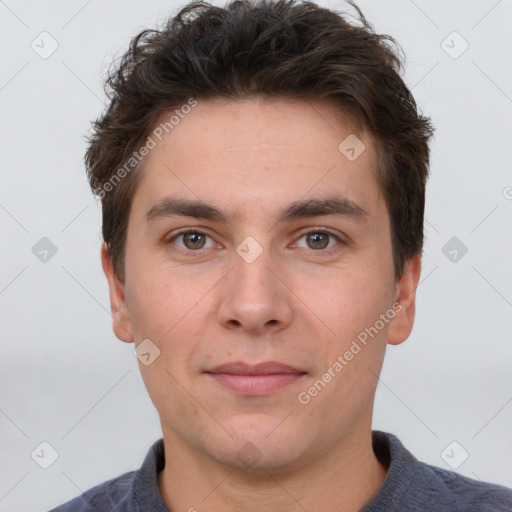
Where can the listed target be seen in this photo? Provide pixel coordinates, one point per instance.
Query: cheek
(348, 301)
(160, 301)
(352, 306)
(173, 313)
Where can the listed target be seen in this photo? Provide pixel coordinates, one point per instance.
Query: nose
(254, 297)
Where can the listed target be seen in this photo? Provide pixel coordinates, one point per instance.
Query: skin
(296, 304)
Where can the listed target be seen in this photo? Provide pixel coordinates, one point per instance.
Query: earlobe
(121, 322)
(405, 302)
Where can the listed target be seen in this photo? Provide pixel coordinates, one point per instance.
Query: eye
(320, 241)
(192, 240)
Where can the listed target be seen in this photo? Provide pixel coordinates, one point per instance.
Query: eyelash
(329, 251)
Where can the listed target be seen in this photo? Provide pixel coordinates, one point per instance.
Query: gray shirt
(410, 486)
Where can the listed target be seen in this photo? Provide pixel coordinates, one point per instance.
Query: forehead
(268, 126)
(257, 152)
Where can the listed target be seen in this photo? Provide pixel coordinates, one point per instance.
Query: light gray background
(65, 378)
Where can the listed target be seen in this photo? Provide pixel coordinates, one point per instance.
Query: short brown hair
(277, 48)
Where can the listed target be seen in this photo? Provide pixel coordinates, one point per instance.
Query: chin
(260, 443)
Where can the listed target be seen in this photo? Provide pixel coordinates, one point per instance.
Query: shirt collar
(146, 494)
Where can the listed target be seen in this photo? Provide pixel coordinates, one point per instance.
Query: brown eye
(317, 240)
(192, 241)
(320, 241)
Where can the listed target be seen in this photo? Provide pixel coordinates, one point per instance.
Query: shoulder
(105, 497)
(414, 485)
(126, 492)
(466, 494)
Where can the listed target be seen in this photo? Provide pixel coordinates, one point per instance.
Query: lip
(266, 368)
(255, 380)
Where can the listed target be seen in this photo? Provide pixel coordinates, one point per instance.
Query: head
(283, 138)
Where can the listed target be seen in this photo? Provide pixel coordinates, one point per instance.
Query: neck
(346, 479)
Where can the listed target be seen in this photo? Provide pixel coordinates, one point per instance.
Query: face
(254, 298)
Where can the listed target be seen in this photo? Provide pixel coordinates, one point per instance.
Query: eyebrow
(172, 207)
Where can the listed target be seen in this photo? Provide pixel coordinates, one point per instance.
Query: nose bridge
(253, 269)
(253, 296)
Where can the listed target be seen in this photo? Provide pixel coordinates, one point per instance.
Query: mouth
(255, 380)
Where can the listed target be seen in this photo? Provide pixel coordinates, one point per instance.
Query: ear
(405, 297)
(121, 322)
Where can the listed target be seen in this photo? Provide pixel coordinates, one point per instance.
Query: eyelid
(319, 229)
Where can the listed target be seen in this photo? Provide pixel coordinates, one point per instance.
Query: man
(262, 173)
